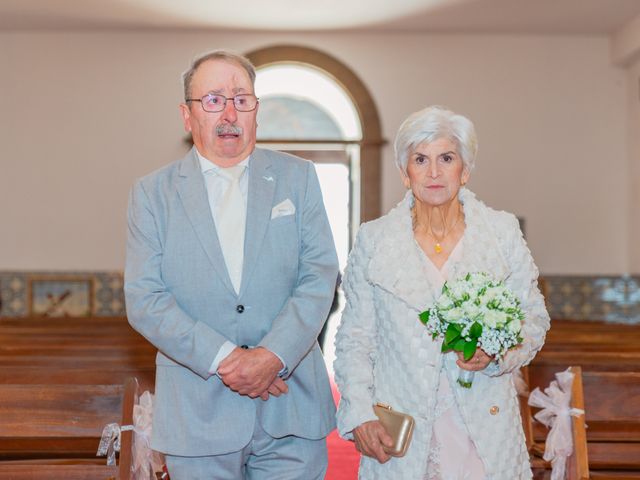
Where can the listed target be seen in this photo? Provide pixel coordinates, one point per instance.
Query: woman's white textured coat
(385, 354)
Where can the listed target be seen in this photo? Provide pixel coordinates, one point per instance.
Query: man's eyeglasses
(211, 102)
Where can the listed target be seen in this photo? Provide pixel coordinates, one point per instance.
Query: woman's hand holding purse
(371, 439)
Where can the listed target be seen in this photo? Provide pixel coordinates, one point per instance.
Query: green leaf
(452, 333)
(459, 345)
(424, 316)
(476, 330)
(470, 349)
(450, 340)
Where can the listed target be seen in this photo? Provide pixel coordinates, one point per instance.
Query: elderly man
(230, 273)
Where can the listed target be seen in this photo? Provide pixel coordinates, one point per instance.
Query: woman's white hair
(434, 123)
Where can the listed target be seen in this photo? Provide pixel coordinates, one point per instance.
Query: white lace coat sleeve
(355, 342)
(524, 282)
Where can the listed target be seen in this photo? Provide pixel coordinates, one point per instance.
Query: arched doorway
(371, 140)
(305, 112)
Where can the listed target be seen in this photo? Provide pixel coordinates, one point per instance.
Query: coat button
(494, 410)
(240, 308)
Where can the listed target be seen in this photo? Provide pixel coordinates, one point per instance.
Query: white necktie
(230, 223)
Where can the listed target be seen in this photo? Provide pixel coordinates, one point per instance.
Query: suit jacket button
(240, 308)
(494, 410)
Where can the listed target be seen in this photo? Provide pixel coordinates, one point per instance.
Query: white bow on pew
(145, 460)
(110, 441)
(556, 413)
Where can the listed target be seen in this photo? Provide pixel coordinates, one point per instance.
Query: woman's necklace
(429, 231)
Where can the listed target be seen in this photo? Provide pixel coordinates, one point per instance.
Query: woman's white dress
(452, 454)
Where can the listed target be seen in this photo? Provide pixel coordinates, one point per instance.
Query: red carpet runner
(343, 457)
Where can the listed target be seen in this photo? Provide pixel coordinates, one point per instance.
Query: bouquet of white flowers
(475, 311)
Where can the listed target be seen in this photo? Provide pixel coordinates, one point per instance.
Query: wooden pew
(577, 464)
(595, 346)
(59, 421)
(103, 322)
(610, 360)
(94, 328)
(61, 381)
(81, 469)
(104, 374)
(125, 457)
(612, 415)
(613, 418)
(94, 344)
(57, 472)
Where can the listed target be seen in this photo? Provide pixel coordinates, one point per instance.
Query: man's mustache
(228, 129)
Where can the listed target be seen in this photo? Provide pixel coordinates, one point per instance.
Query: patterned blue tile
(107, 301)
(599, 298)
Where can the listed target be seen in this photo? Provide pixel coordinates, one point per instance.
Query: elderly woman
(385, 354)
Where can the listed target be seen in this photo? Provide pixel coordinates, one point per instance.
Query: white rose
(458, 290)
(514, 326)
(445, 302)
(494, 318)
(502, 319)
(490, 294)
(472, 310)
(454, 315)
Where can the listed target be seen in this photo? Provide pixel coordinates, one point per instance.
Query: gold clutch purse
(398, 425)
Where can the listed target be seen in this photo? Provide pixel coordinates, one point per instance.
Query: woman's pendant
(438, 247)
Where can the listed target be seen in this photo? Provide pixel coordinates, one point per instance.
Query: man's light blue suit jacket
(179, 296)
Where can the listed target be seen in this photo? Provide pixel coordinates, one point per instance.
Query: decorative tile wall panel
(599, 298)
(57, 293)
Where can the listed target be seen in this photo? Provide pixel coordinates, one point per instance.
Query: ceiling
(588, 17)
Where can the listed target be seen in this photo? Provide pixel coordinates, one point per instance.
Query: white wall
(84, 114)
(634, 164)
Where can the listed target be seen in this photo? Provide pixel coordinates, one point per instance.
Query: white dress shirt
(216, 184)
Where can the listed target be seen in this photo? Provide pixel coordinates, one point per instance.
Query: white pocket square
(286, 207)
